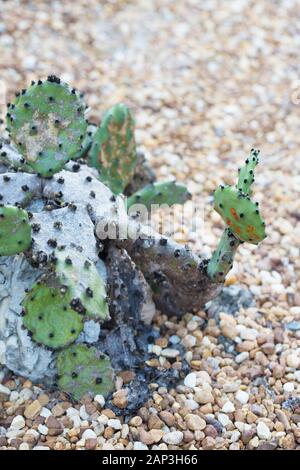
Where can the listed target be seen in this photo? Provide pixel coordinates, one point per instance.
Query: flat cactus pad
(84, 283)
(49, 317)
(113, 151)
(47, 124)
(15, 231)
(84, 370)
(240, 214)
(168, 192)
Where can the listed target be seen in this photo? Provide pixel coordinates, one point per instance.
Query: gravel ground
(208, 81)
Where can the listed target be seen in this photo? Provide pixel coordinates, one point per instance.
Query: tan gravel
(208, 81)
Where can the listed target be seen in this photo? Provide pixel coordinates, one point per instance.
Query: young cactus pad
(168, 192)
(240, 214)
(85, 285)
(84, 370)
(113, 151)
(47, 124)
(15, 231)
(49, 317)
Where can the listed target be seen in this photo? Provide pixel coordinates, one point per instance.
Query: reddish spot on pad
(234, 213)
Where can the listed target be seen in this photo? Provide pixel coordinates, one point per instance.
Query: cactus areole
(74, 304)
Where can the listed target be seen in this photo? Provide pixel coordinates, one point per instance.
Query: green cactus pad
(240, 214)
(84, 283)
(113, 151)
(83, 370)
(49, 317)
(15, 231)
(47, 124)
(168, 192)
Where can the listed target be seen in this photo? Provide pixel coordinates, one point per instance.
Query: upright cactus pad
(240, 214)
(113, 151)
(47, 124)
(84, 283)
(15, 231)
(49, 316)
(168, 192)
(242, 217)
(83, 370)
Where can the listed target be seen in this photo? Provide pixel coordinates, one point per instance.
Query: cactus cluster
(59, 234)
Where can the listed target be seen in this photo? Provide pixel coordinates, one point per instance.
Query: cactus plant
(15, 230)
(56, 298)
(168, 192)
(84, 370)
(113, 151)
(241, 216)
(47, 124)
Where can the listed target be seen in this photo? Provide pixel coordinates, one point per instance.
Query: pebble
(194, 422)
(17, 423)
(89, 434)
(288, 387)
(100, 400)
(223, 419)
(174, 437)
(115, 424)
(139, 446)
(243, 356)
(42, 429)
(190, 380)
(170, 353)
(292, 360)
(228, 407)
(242, 397)
(33, 410)
(167, 418)
(263, 431)
(4, 390)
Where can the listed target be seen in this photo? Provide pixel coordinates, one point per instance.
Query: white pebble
(174, 437)
(4, 390)
(115, 424)
(190, 380)
(17, 423)
(100, 400)
(263, 431)
(42, 429)
(45, 413)
(228, 407)
(223, 419)
(89, 434)
(243, 356)
(139, 446)
(288, 387)
(242, 397)
(171, 353)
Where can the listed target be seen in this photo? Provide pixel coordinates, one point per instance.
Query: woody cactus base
(75, 305)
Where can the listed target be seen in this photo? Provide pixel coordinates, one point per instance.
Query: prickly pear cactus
(85, 285)
(168, 192)
(53, 297)
(15, 231)
(241, 216)
(82, 370)
(113, 151)
(47, 124)
(49, 316)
